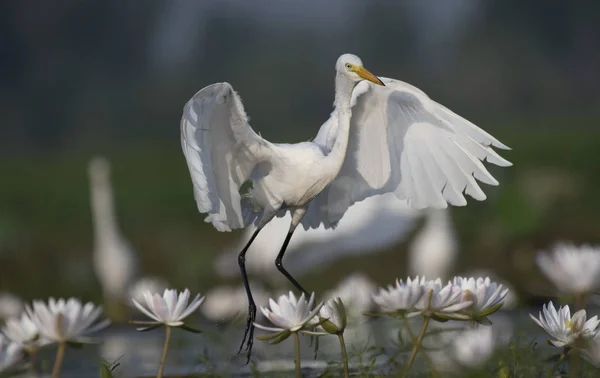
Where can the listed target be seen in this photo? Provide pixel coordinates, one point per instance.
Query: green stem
(574, 363)
(32, 358)
(60, 354)
(557, 364)
(163, 359)
(416, 346)
(344, 354)
(413, 340)
(297, 351)
(579, 303)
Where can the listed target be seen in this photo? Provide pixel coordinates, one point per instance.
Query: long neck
(343, 95)
(103, 214)
(439, 222)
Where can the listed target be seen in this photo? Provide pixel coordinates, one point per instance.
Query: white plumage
(115, 261)
(378, 140)
(384, 136)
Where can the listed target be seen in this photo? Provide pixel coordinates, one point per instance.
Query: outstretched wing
(221, 151)
(401, 141)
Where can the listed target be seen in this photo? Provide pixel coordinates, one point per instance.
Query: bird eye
(348, 65)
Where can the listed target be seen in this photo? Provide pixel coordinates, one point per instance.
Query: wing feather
(221, 151)
(455, 157)
(401, 141)
(434, 174)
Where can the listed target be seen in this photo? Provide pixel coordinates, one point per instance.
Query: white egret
(10, 305)
(367, 227)
(144, 284)
(434, 249)
(387, 137)
(225, 303)
(355, 290)
(115, 260)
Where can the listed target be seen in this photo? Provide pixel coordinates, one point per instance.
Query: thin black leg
(249, 331)
(279, 264)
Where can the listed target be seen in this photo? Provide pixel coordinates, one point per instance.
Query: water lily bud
(333, 316)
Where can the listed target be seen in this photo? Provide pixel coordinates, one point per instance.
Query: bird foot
(249, 332)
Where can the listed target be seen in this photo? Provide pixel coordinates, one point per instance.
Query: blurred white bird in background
(367, 227)
(434, 249)
(355, 291)
(144, 284)
(10, 305)
(115, 261)
(225, 303)
(388, 137)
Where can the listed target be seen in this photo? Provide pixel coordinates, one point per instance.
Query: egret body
(383, 136)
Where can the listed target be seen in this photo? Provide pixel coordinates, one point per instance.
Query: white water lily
(474, 346)
(170, 309)
(10, 354)
(487, 296)
(66, 320)
(23, 331)
(566, 330)
(333, 314)
(572, 269)
(290, 315)
(402, 298)
(441, 299)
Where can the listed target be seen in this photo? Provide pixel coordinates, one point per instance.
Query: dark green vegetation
(46, 237)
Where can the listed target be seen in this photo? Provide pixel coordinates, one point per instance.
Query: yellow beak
(365, 74)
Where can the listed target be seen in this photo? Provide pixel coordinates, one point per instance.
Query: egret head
(351, 66)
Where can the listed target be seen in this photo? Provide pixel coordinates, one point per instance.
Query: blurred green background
(80, 79)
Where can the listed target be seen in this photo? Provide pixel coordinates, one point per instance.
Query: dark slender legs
(279, 264)
(249, 331)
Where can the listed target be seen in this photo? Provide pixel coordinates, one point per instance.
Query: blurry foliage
(158, 215)
(86, 78)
